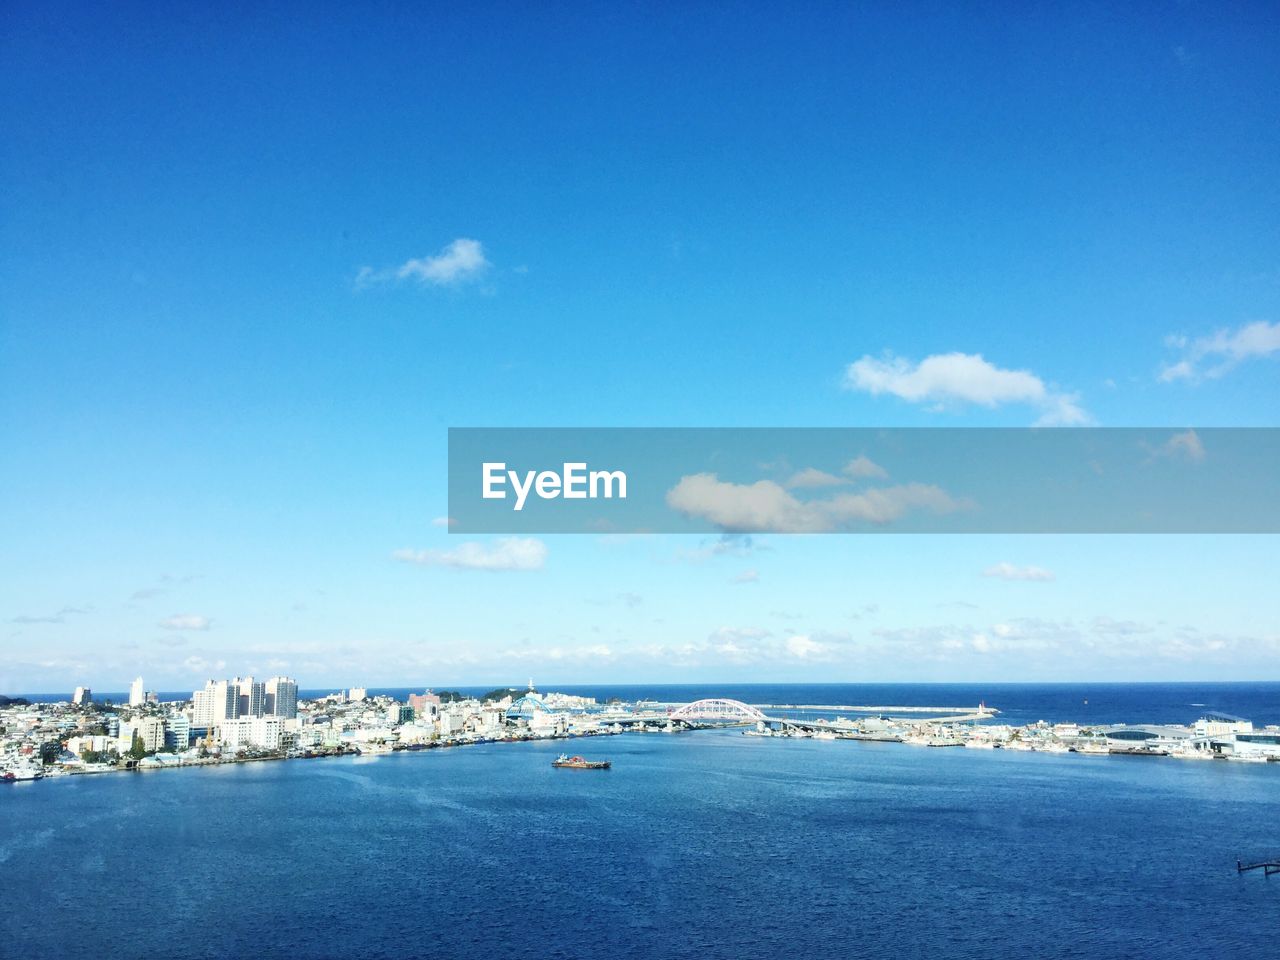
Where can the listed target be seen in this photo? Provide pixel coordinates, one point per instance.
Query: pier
(1268, 867)
(732, 712)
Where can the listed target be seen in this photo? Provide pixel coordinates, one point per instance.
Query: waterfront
(239, 720)
(1019, 703)
(711, 844)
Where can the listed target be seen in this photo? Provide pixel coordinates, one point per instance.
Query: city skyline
(241, 308)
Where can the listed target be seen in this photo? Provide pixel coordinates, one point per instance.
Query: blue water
(704, 844)
(1019, 703)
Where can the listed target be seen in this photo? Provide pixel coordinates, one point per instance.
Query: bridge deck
(865, 709)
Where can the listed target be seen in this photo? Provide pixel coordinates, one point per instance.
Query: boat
(580, 763)
(24, 772)
(926, 740)
(1248, 757)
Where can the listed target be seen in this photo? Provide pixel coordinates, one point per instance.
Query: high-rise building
(82, 696)
(425, 704)
(177, 732)
(357, 694)
(251, 694)
(137, 693)
(218, 702)
(281, 698)
(201, 708)
(399, 713)
(150, 730)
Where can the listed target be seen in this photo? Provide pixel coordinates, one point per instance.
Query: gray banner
(862, 480)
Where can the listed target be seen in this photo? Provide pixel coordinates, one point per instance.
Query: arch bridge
(719, 711)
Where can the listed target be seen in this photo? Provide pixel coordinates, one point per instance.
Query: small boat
(1190, 753)
(580, 763)
(1247, 757)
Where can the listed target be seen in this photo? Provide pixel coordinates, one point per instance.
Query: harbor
(64, 738)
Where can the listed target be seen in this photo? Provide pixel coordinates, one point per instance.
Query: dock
(1268, 867)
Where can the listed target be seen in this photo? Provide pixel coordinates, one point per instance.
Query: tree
(138, 750)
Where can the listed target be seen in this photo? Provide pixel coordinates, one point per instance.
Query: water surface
(704, 844)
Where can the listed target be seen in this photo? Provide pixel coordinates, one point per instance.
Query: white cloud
(725, 545)
(1063, 410)
(737, 644)
(197, 664)
(804, 648)
(1008, 571)
(810, 478)
(59, 617)
(1185, 445)
(442, 522)
(747, 576)
(861, 467)
(767, 506)
(949, 379)
(186, 621)
(1212, 356)
(597, 651)
(508, 553)
(734, 634)
(459, 262)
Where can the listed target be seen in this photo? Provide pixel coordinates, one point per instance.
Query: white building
(357, 694)
(82, 696)
(79, 745)
(1220, 724)
(547, 724)
(1257, 744)
(150, 730)
(263, 733)
(137, 693)
(217, 703)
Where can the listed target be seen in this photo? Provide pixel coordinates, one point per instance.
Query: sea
(704, 844)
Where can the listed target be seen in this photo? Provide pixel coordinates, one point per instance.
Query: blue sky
(255, 262)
